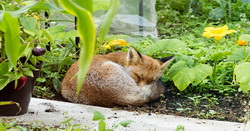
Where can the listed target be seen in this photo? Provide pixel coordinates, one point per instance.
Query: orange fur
(117, 79)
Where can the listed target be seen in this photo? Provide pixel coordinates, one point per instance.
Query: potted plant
(21, 42)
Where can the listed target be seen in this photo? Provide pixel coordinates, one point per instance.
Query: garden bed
(212, 106)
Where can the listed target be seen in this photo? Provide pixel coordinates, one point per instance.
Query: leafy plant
(19, 46)
(180, 128)
(102, 126)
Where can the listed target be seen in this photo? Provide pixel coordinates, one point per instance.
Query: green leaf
(10, 26)
(44, 6)
(48, 35)
(181, 74)
(6, 76)
(58, 33)
(57, 29)
(245, 37)
(29, 23)
(41, 58)
(101, 126)
(7, 103)
(27, 72)
(98, 116)
(25, 49)
(56, 3)
(219, 55)
(166, 45)
(87, 32)
(125, 123)
(248, 6)
(237, 54)
(41, 80)
(56, 83)
(87, 4)
(107, 21)
(216, 14)
(67, 121)
(29, 32)
(242, 73)
(31, 5)
(201, 71)
(4, 66)
(101, 5)
(18, 13)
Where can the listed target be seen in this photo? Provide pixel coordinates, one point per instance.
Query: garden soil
(214, 106)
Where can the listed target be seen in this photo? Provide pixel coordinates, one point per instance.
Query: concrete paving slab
(51, 113)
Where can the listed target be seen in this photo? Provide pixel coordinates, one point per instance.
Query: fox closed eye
(137, 75)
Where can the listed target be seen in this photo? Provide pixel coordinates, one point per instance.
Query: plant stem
(215, 64)
(2, 45)
(217, 47)
(230, 10)
(214, 72)
(245, 52)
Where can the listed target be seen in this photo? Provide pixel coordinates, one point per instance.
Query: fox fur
(117, 79)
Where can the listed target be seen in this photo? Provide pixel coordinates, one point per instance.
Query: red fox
(118, 79)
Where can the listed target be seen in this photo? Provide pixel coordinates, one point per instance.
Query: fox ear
(167, 61)
(133, 56)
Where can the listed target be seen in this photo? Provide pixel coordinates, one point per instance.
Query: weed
(180, 128)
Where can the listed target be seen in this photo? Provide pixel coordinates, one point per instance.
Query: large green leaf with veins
(183, 75)
(242, 73)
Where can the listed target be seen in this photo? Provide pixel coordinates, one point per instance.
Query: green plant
(102, 126)
(180, 128)
(21, 41)
(63, 52)
(71, 127)
(241, 70)
(202, 64)
(8, 124)
(196, 100)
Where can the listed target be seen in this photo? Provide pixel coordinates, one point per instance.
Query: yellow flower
(242, 42)
(106, 47)
(217, 33)
(120, 42)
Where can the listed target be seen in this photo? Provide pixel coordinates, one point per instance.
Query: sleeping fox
(118, 79)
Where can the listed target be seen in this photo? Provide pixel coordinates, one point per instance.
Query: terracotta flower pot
(21, 96)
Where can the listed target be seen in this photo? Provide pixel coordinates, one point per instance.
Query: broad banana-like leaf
(86, 30)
